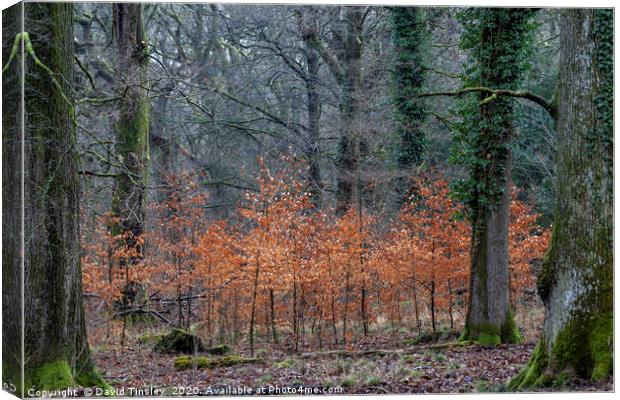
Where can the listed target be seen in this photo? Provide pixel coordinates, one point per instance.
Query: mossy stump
(179, 341)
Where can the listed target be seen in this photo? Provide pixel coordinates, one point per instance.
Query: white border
(483, 3)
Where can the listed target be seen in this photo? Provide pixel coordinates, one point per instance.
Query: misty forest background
(233, 89)
(357, 196)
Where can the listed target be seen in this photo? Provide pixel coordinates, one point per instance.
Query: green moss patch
(582, 349)
(489, 339)
(601, 342)
(284, 364)
(93, 379)
(533, 374)
(54, 375)
(150, 338)
(58, 375)
(490, 335)
(219, 350)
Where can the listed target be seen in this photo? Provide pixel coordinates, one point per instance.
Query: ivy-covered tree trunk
(576, 282)
(409, 35)
(55, 353)
(497, 39)
(132, 126)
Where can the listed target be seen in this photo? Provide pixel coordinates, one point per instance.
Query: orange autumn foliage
(301, 275)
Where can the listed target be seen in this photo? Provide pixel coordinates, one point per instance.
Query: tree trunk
(432, 295)
(295, 317)
(55, 353)
(346, 309)
(13, 141)
(489, 318)
(415, 303)
(132, 126)
(162, 145)
(450, 304)
(409, 37)
(344, 62)
(273, 316)
(349, 148)
(333, 307)
(576, 281)
(254, 295)
(308, 29)
(313, 145)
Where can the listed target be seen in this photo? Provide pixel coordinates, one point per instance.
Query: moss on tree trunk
(132, 126)
(55, 353)
(576, 282)
(11, 201)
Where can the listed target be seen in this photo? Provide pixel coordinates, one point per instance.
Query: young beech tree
(172, 245)
(216, 268)
(56, 353)
(576, 282)
(276, 212)
(528, 243)
(497, 41)
(355, 242)
(427, 251)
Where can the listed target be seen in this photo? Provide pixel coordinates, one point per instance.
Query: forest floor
(380, 363)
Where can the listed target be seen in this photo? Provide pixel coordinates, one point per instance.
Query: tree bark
(273, 316)
(12, 142)
(313, 151)
(489, 318)
(308, 29)
(349, 149)
(55, 353)
(345, 66)
(163, 148)
(132, 141)
(409, 37)
(132, 126)
(576, 281)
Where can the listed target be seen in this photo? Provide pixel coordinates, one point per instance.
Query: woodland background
(239, 123)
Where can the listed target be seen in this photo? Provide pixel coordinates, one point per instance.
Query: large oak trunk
(12, 142)
(55, 347)
(576, 282)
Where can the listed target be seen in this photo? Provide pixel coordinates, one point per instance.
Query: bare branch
(549, 106)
